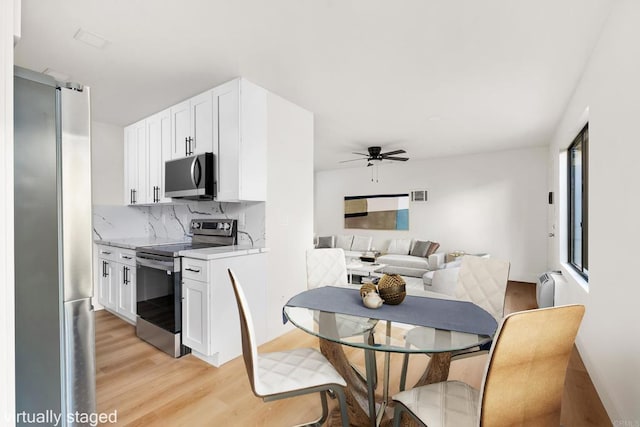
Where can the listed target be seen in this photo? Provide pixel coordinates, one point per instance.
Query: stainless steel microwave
(190, 177)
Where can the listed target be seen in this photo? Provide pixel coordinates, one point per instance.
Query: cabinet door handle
(186, 146)
(106, 269)
(135, 196)
(126, 257)
(190, 147)
(131, 196)
(194, 270)
(105, 253)
(103, 270)
(125, 271)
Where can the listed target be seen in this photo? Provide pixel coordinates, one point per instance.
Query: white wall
(493, 202)
(7, 337)
(289, 206)
(107, 158)
(610, 89)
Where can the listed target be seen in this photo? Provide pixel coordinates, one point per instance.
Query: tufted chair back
(326, 267)
(483, 281)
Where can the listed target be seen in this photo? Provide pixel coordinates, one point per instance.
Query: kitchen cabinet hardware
(193, 270)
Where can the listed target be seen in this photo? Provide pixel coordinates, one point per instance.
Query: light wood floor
(149, 388)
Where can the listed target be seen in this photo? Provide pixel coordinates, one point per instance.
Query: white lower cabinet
(195, 315)
(210, 320)
(117, 281)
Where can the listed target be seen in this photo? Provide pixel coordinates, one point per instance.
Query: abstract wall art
(377, 212)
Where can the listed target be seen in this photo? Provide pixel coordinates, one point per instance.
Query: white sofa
(410, 257)
(353, 246)
(407, 257)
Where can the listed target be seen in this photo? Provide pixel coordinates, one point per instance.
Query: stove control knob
(196, 225)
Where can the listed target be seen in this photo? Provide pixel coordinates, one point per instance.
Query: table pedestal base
(356, 392)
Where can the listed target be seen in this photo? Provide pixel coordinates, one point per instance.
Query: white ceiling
(435, 77)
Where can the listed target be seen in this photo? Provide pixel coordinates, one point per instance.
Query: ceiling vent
(92, 39)
(419, 196)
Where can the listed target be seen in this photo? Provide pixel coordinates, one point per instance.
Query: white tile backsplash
(172, 220)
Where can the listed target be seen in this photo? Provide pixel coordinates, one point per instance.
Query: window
(578, 168)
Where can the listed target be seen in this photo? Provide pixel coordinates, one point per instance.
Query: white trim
(7, 338)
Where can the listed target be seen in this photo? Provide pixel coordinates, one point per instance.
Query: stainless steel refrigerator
(55, 357)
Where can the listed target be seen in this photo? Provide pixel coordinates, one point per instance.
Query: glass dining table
(370, 331)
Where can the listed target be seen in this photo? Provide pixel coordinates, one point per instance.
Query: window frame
(581, 139)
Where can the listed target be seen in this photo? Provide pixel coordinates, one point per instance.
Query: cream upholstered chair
(284, 374)
(326, 267)
(523, 383)
(482, 281)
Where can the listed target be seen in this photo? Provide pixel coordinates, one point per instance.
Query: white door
(140, 196)
(124, 299)
(159, 150)
(114, 289)
(180, 129)
(130, 164)
(130, 288)
(105, 283)
(201, 124)
(227, 140)
(195, 324)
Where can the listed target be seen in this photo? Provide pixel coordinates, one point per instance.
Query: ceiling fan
(375, 155)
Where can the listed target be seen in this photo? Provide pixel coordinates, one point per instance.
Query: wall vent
(419, 196)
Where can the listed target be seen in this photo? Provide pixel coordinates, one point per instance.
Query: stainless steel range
(159, 283)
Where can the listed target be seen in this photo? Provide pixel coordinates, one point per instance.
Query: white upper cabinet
(180, 129)
(201, 124)
(135, 164)
(159, 146)
(192, 123)
(229, 120)
(240, 141)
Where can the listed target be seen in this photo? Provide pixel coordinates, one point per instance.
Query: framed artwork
(377, 212)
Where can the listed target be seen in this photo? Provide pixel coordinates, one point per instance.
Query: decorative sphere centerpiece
(392, 288)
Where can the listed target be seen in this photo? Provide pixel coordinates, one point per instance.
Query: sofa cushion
(344, 242)
(326, 242)
(399, 246)
(420, 248)
(407, 261)
(361, 243)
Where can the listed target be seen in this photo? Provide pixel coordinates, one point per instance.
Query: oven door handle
(155, 263)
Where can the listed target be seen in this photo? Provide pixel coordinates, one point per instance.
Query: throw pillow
(344, 242)
(326, 242)
(399, 246)
(361, 243)
(434, 247)
(420, 248)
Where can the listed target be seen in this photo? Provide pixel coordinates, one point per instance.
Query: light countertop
(134, 242)
(222, 252)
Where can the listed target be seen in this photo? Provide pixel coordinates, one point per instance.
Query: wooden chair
(284, 374)
(523, 383)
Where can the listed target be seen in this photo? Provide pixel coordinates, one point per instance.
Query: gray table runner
(461, 316)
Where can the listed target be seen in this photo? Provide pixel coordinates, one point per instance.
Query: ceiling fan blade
(402, 159)
(391, 153)
(361, 154)
(352, 160)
